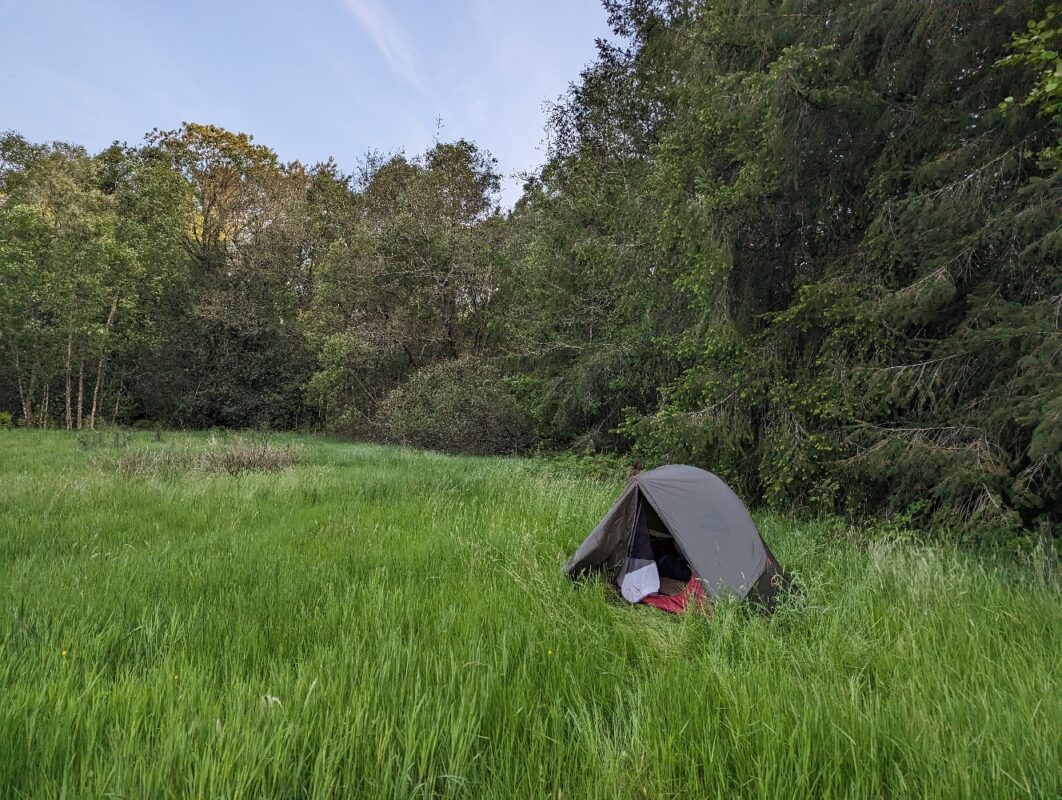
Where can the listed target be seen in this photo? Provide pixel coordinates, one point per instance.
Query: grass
(230, 455)
(372, 622)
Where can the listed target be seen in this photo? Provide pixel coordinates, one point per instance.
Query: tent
(678, 518)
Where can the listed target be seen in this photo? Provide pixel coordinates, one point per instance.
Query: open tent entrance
(655, 563)
(671, 563)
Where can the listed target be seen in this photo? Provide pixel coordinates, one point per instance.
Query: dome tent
(703, 520)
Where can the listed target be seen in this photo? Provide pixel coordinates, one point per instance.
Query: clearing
(374, 622)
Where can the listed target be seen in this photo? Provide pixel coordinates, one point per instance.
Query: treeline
(812, 246)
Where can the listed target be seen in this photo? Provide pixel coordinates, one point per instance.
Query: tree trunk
(44, 416)
(117, 400)
(96, 391)
(102, 364)
(24, 395)
(80, 388)
(69, 352)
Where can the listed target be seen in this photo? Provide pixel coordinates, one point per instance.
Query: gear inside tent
(679, 534)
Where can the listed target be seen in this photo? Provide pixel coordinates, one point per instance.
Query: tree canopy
(812, 246)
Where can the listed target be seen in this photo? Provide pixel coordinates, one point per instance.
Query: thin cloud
(389, 39)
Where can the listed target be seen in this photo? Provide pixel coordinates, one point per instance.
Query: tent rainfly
(684, 515)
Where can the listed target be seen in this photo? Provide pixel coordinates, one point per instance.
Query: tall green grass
(373, 622)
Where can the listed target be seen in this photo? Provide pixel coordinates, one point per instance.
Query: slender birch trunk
(44, 416)
(25, 396)
(117, 400)
(80, 388)
(69, 353)
(102, 364)
(96, 392)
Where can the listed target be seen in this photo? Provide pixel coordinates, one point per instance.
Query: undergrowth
(227, 455)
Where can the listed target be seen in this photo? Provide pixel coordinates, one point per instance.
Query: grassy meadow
(374, 622)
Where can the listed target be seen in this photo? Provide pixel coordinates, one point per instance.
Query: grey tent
(687, 510)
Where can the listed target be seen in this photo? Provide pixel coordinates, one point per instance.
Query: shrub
(101, 439)
(458, 406)
(5, 419)
(228, 458)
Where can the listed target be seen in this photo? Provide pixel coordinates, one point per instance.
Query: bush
(5, 419)
(100, 439)
(458, 406)
(231, 457)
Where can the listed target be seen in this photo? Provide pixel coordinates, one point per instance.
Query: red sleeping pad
(692, 596)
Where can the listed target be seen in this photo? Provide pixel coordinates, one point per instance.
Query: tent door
(639, 576)
(672, 565)
(655, 563)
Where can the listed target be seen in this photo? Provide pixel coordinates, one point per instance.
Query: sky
(309, 78)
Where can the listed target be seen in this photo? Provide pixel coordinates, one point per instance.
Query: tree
(65, 266)
(233, 354)
(154, 205)
(407, 276)
(593, 303)
(1039, 48)
(812, 246)
(869, 251)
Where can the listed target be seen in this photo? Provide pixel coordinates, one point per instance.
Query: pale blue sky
(310, 79)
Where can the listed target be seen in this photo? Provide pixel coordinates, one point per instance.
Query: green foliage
(230, 352)
(1039, 48)
(6, 420)
(405, 275)
(68, 266)
(812, 247)
(458, 406)
(595, 467)
(861, 251)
